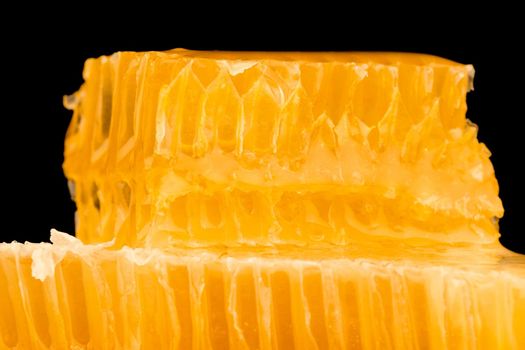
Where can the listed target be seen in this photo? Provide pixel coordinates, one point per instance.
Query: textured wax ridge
(405, 298)
(203, 148)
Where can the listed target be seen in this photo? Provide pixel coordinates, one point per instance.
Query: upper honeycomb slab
(385, 132)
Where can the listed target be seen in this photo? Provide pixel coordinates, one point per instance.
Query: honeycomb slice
(156, 135)
(70, 295)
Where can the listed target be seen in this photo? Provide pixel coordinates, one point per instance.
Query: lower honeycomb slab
(68, 295)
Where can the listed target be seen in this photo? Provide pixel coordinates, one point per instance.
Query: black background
(40, 65)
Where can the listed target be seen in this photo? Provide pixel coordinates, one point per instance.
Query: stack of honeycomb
(270, 200)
